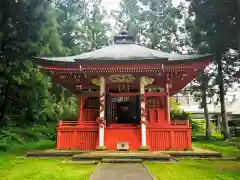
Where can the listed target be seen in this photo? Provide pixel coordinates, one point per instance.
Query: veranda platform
(195, 152)
(148, 155)
(53, 153)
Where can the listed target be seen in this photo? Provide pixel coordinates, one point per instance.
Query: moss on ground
(228, 148)
(12, 168)
(195, 170)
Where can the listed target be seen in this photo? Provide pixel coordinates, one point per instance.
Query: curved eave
(122, 61)
(190, 59)
(172, 59)
(45, 61)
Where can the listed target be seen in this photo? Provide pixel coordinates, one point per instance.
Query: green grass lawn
(192, 169)
(189, 169)
(228, 148)
(12, 168)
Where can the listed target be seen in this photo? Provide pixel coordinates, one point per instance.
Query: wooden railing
(180, 122)
(77, 138)
(67, 123)
(169, 138)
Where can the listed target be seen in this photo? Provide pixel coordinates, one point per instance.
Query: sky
(113, 4)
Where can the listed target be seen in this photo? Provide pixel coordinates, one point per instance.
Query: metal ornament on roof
(79, 87)
(62, 77)
(119, 78)
(147, 80)
(96, 81)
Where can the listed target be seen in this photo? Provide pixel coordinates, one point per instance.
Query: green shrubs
(41, 144)
(177, 114)
(17, 140)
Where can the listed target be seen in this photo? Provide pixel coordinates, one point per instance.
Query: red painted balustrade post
(189, 137)
(60, 123)
(172, 138)
(75, 139)
(59, 134)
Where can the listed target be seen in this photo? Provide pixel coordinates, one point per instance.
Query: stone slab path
(121, 171)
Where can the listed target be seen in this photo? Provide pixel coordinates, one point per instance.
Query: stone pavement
(121, 171)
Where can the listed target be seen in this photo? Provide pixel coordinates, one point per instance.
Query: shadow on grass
(229, 148)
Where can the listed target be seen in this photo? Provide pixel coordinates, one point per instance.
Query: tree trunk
(222, 96)
(238, 24)
(204, 103)
(218, 124)
(4, 104)
(203, 88)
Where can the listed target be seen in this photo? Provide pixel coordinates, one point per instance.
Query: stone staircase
(121, 157)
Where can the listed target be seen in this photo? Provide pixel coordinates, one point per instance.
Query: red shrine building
(117, 106)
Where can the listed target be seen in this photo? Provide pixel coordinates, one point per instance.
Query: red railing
(123, 133)
(67, 123)
(157, 138)
(77, 138)
(180, 123)
(169, 138)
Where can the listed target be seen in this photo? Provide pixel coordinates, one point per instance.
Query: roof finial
(124, 33)
(123, 38)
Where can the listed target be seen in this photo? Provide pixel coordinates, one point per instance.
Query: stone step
(122, 160)
(180, 154)
(98, 157)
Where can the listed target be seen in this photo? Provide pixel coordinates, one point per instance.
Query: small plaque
(122, 146)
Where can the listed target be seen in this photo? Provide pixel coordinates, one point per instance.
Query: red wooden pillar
(172, 138)
(59, 139)
(80, 109)
(167, 102)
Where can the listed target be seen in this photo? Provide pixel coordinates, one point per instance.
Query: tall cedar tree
(218, 30)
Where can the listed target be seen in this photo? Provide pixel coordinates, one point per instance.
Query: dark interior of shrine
(128, 112)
